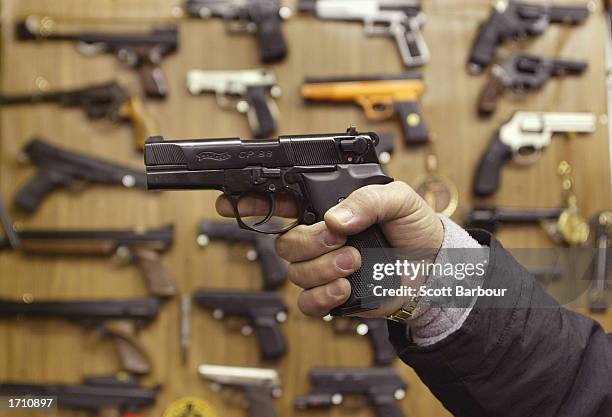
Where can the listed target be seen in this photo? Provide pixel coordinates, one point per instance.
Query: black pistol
(261, 17)
(114, 395)
(381, 387)
(317, 171)
(115, 318)
(273, 268)
(264, 311)
(142, 51)
(108, 100)
(59, 168)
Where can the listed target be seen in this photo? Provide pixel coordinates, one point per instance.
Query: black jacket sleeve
(530, 357)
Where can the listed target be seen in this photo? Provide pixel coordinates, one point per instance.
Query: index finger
(258, 205)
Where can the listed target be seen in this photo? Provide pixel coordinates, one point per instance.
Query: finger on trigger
(318, 301)
(307, 242)
(326, 268)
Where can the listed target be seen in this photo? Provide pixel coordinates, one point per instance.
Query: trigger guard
(529, 159)
(270, 212)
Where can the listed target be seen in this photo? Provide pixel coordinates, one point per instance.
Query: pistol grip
(270, 38)
(259, 402)
(32, 194)
(153, 80)
(412, 121)
(270, 337)
(261, 114)
(159, 280)
(273, 267)
(371, 239)
(487, 103)
(384, 352)
(411, 44)
(142, 121)
(482, 53)
(487, 179)
(134, 358)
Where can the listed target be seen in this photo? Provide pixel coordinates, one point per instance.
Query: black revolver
(517, 20)
(263, 312)
(317, 171)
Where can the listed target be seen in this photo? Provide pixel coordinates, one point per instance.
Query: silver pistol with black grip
(524, 73)
(523, 138)
(273, 268)
(398, 19)
(515, 20)
(255, 89)
(58, 168)
(262, 18)
(316, 171)
(141, 247)
(381, 388)
(262, 312)
(260, 386)
(116, 318)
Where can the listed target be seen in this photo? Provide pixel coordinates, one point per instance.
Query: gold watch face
(573, 228)
(439, 193)
(189, 407)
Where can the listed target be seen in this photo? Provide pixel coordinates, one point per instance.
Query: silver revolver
(398, 19)
(523, 138)
(256, 90)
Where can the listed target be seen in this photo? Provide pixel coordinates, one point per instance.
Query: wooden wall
(56, 351)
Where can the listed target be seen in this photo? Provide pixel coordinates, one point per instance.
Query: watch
(406, 311)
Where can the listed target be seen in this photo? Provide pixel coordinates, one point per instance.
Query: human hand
(319, 261)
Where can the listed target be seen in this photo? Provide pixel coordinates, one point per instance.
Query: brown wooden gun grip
(134, 358)
(487, 103)
(159, 280)
(142, 121)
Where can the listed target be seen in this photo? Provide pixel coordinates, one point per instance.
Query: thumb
(405, 218)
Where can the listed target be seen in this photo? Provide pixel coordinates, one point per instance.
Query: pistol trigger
(270, 212)
(523, 157)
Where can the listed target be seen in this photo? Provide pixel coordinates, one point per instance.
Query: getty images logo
(215, 156)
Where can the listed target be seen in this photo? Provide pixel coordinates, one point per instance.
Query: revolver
(317, 171)
(522, 73)
(523, 138)
(108, 100)
(255, 88)
(512, 19)
(398, 19)
(260, 17)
